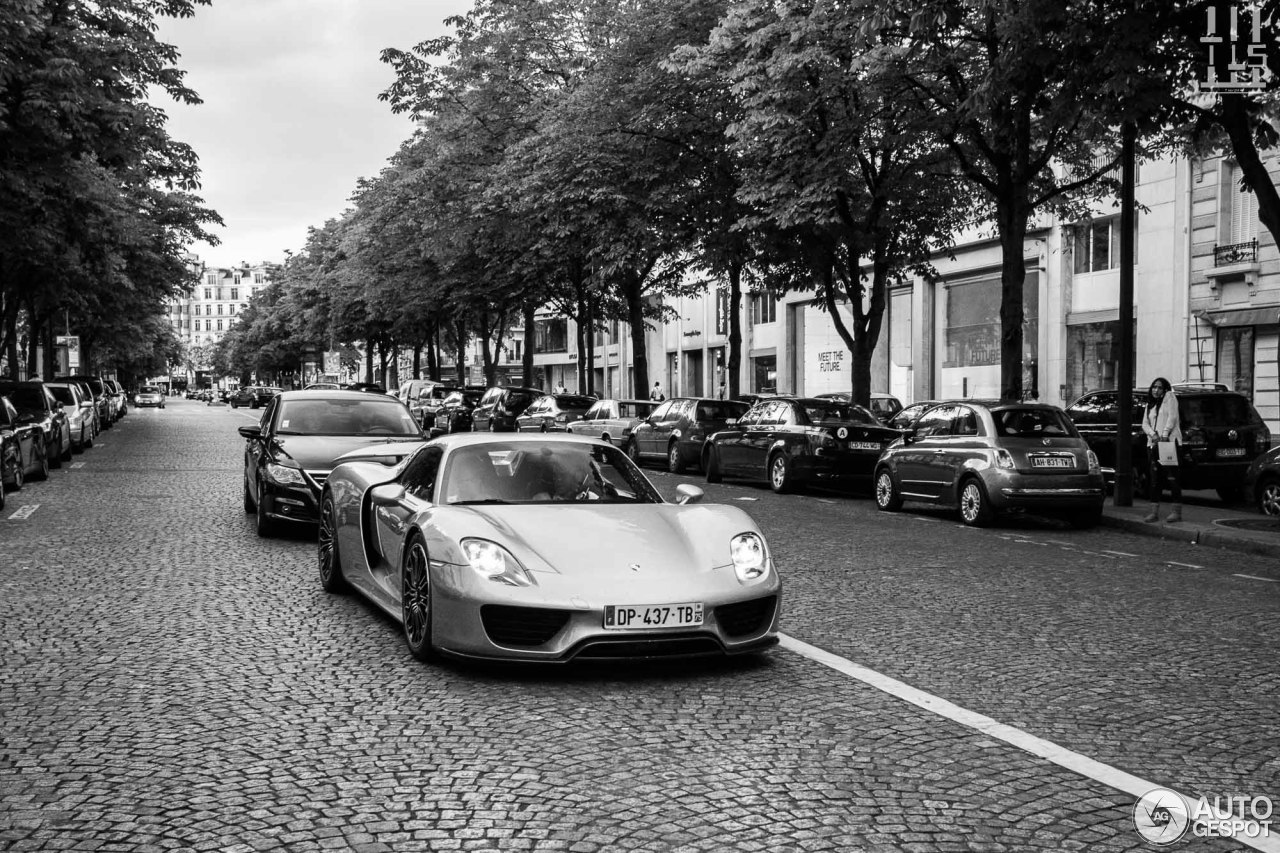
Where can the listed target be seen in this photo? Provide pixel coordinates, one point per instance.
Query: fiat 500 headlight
(284, 475)
(494, 562)
(750, 559)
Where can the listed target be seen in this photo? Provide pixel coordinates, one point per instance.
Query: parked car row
(253, 396)
(43, 423)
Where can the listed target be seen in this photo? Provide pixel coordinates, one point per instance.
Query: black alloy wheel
(53, 452)
(42, 472)
(1269, 496)
(415, 600)
(331, 579)
(16, 474)
(249, 504)
(265, 525)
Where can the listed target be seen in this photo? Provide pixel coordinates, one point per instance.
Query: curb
(1194, 536)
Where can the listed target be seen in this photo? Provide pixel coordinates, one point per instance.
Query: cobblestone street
(171, 681)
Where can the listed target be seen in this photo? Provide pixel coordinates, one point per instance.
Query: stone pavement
(1205, 521)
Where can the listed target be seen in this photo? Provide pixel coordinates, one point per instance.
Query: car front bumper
(290, 503)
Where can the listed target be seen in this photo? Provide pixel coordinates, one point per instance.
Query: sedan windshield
(370, 416)
(833, 411)
(543, 472)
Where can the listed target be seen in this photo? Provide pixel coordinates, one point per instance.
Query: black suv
(499, 407)
(1222, 435)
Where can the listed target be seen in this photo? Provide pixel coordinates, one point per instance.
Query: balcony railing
(1236, 253)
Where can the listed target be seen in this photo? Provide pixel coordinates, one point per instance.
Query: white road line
(24, 512)
(1112, 777)
(77, 464)
(1185, 565)
(1256, 578)
(1120, 553)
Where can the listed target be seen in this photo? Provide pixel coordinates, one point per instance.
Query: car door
(643, 434)
(255, 451)
(530, 420)
(592, 422)
(663, 427)
(920, 473)
(390, 521)
(729, 441)
(965, 445)
(759, 437)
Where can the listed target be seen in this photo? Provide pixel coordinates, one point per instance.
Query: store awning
(1268, 316)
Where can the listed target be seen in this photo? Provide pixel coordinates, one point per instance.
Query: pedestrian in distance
(656, 394)
(560, 389)
(1163, 427)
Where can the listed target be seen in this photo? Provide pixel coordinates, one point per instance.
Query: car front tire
(633, 451)
(888, 498)
(42, 472)
(264, 525)
(781, 475)
(415, 600)
(328, 562)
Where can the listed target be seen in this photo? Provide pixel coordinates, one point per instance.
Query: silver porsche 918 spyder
(539, 547)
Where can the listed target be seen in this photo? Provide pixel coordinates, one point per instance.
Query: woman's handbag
(1168, 453)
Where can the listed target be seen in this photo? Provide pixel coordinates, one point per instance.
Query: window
(966, 421)
(235, 291)
(973, 321)
(219, 324)
(607, 335)
(661, 412)
(419, 477)
(551, 335)
(1244, 208)
(935, 422)
(208, 293)
(1096, 244)
(236, 279)
(1235, 359)
(211, 278)
(257, 278)
(219, 292)
(208, 324)
(231, 309)
(764, 308)
(219, 308)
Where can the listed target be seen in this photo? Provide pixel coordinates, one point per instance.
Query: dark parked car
(253, 396)
(80, 412)
(290, 452)
(37, 405)
(678, 428)
(500, 406)
(97, 390)
(1262, 482)
(791, 441)
(883, 406)
(554, 413)
(987, 457)
(1222, 434)
(424, 397)
(905, 419)
(367, 387)
(22, 449)
(454, 414)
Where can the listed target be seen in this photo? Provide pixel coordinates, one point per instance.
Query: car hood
(320, 452)
(654, 541)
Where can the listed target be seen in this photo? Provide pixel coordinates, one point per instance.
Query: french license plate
(1231, 451)
(632, 617)
(1053, 462)
(864, 445)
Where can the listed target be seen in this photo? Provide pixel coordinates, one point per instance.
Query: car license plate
(1231, 451)
(632, 617)
(1053, 462)
(864, 445)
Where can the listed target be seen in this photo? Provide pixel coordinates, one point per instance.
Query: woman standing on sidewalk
(1162, 423)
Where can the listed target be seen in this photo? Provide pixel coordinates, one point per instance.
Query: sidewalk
(1205, 521)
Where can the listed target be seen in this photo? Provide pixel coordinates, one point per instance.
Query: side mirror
(909, 437)
(688, 494)
(387, 494)
(251, 431)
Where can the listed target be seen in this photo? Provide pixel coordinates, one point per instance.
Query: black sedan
(1262, 482)
(22, 449)
(454, 414)
(791, 441)
(37, 405)
(289, 454)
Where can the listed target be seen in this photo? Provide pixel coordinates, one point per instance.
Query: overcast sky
(291, 117)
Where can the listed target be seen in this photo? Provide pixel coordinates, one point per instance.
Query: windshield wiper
(481, 501)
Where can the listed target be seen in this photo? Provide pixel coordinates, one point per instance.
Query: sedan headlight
(494, 562)
(750, 560)
(284, 475)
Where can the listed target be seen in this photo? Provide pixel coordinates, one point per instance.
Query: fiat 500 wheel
(887, 495)
(975, 508)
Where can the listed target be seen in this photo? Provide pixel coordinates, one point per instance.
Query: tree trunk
(50, 366)
(1011, 215)
(591, 345)
(417, 361)
(526, 357)
(368, 360)
(460, 327)
(734, 363)
(639, 354)
(1235, 120)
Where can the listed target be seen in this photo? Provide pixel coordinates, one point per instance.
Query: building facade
(201, 319)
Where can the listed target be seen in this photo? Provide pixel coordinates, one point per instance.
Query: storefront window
(551, 335)
(765, 371)
(1235, 359)
(973, 322)
(1093, 359)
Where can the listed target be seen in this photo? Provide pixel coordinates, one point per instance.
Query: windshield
(27, 399)
(62, 394)
(371, 416)
(529, 472)
(1032, 423)
(148, 389)
(841, 412)
(720, 410)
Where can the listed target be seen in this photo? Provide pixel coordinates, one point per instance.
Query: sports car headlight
(494, 562)
(750, 561)
(285, 475)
